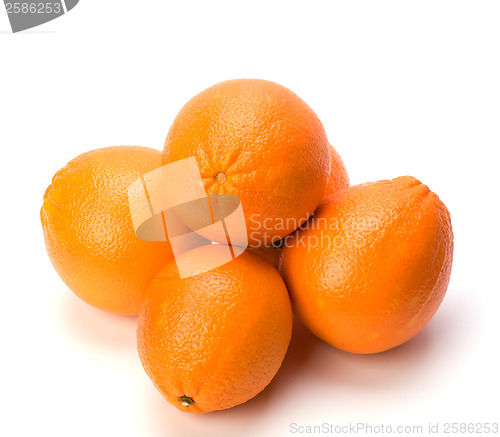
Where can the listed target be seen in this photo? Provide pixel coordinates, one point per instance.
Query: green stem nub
(186, 401)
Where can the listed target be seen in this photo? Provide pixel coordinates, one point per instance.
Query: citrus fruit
(88, 230)
(338, 179)
(372, 266)
(259, 141)
(214, 340)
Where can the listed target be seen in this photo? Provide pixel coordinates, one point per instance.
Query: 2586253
(470, 428)
(33, 8)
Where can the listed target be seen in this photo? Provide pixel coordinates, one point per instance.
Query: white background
(401, 87)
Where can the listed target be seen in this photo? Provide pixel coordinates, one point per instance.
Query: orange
(338, 179)
(88, 230)
(373, 265)
(259, 141)
(214, 340)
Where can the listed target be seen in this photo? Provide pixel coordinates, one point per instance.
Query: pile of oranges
(363, 267)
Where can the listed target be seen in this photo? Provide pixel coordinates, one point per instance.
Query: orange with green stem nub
(214, 340)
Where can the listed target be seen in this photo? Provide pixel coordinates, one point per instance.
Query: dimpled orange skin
(261, 142)
(88, 231)
(217, 338)
(383, 268)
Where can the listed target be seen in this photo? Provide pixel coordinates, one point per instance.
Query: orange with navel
(259, 141)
